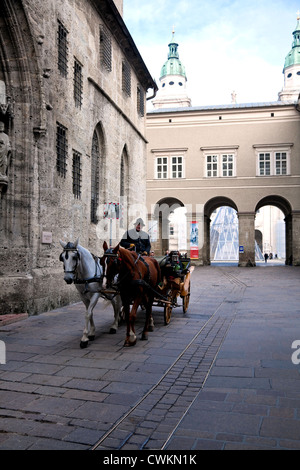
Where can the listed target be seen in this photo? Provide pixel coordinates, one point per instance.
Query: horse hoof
(144, 337)
(112, 331)
(151, 328)
(128, 344)
(84, 344)
(91, 338)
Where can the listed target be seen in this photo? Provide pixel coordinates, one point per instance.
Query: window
(105, 48)
(77, 174)
(280, 163)
(162, 167)
(140, 101)
(212, 165)
(77, 83)
(273, 161)
(62, 49)
(220, 165)
(95, 166)
(177, 167)
(124, 174)
(126, 78)
(169, 166)
(61, 149)
(227, 165)
(264, 164)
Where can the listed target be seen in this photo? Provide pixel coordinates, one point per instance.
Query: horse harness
(147, 278)
(71, 247)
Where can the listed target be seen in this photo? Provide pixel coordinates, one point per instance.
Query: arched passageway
(159, 228)
(291, 229)
(209, 208)
(159, 225)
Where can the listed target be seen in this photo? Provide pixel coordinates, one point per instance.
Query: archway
(277, 227)
(164, 212)
(210, 207)
(224, 235)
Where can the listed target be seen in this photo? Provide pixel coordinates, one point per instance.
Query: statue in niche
(5, 158)
(5, 151)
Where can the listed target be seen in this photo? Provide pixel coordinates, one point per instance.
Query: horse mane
(128, 256)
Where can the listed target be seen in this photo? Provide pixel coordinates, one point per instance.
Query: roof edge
(113, 19)
(223, 107)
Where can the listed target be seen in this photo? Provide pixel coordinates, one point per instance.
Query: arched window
(95, 184)
(124, 174)
(124, 187)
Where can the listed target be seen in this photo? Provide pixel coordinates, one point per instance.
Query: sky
(225, 45)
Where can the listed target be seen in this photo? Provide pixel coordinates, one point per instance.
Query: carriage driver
(137, 238)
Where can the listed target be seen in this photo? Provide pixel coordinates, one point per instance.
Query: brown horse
(138, 276)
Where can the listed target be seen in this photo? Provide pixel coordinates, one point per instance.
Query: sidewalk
(219, 377)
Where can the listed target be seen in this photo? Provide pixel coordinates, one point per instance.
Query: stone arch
(292, 225)
(217, 202)
(277, 201)
(160, 216)
(25, 123)
(210, 206)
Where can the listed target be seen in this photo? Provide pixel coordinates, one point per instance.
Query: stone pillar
(288, 239)
(247, 238)
(206, 241)
(296, 238)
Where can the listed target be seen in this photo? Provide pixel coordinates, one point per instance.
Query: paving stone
(54, 395)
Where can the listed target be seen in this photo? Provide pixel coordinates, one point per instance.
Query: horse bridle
(95, 278)
(66, 250)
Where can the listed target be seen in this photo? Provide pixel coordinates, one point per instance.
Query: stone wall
(39, 201)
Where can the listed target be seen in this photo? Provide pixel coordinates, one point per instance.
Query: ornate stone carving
(5, 158)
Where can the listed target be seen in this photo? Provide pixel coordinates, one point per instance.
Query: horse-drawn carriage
(176, 282)
(141, 281)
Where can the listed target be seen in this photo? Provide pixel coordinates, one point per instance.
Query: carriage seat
(174, 265)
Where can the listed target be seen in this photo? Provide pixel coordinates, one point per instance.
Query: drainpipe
(155, 90)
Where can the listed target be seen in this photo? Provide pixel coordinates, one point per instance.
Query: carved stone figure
(5, 152)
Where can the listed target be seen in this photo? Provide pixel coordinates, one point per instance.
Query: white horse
(85, 271)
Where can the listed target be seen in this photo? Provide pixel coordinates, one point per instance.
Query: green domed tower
(172, 92)
(291, 70)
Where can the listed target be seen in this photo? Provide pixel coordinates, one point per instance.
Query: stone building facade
(245, 156)
(73, 91)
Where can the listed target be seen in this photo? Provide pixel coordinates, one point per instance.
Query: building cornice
(234, 108)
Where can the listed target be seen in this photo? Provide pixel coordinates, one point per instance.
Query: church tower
(172, 93)
(291, 70)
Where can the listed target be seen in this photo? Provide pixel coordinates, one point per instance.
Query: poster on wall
(194, 240)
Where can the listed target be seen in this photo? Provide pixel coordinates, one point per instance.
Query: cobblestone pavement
(220, 376)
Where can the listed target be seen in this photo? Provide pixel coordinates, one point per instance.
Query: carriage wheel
(168, 308)
(186, 300)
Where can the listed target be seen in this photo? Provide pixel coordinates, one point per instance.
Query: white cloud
(225, 45)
